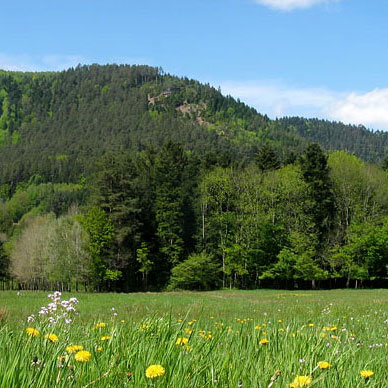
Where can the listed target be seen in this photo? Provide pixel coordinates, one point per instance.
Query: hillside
(56, 124)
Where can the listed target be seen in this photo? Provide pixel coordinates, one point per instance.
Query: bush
(198, 272)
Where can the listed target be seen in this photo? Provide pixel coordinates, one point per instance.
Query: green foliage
(315, 173)
(169, 201)
(267, 159)
(149, 202)
(198, 272)
(100, 230)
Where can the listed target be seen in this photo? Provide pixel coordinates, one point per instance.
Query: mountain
(55, 125)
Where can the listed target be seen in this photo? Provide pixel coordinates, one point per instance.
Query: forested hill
(55, 125)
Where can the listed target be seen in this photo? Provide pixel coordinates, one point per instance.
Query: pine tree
(316, 174)
(169, 202)
(268, 159)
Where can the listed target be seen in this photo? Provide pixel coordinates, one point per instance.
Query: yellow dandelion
(83, 356)
(324, 365)
(301, 381)
(366, 374)
(101, 324)
(182, 341)
(257, 327)
(105, 338)
(73, 348)
(51, 337)
(311, 324)
(99, 349)
(32, 332)
(263, 341)
(154, 371)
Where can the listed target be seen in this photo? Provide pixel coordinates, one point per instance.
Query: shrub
(198, 272)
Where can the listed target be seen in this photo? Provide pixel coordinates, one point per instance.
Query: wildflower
(311, 324)
(324, 365)
(182, 341)
(105, 338)
(366, 374)
(99, 349)
(101, 324)
(154, 371)
(263, 341)
(32, 332)
(301, 381)
(257, 327)
(74, 348)
(51, 337)
(83, 356)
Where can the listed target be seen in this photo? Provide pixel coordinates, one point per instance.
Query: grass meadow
(241, 339)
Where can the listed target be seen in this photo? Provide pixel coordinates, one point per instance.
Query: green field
(225, 339)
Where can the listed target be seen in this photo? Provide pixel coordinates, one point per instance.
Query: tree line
(172, 218)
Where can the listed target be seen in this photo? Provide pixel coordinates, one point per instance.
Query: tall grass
(202, 340)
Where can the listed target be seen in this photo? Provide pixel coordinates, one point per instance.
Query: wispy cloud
(289, 5)
(278, 99)
(57, 62)
(53, 62)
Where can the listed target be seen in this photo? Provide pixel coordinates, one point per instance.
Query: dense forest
(126, 178)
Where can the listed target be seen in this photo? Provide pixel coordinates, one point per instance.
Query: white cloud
(369, 109)
(277, 99)
(288, 5)
(52, 62)
(57, 62)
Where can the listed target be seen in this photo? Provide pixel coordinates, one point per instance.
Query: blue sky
(313, 58)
